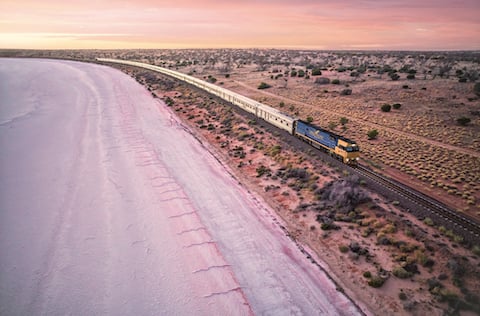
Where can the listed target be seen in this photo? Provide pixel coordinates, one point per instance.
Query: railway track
(466, 227)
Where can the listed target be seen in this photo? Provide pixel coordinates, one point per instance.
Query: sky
(295, 24)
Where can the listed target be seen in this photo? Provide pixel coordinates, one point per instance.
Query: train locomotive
(336, 145)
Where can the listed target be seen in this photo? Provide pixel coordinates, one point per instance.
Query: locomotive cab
(348, 150)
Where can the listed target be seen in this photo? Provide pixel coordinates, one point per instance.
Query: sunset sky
(302, 24)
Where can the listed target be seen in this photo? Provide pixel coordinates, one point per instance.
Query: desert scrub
(428, 221)
(401, 273)
(263, 85)
(262, 170)
(343, 248)
(376, 281)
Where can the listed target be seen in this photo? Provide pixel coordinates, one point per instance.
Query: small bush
(264, 85)
(428, 221)
(343, 120)
(335, 81)
(367, 274)
(476, 250)
(316, 72)
(262, 170)
(376, 281)
(396, 106)
(401, 273)
(463, 121)
(322, 80)
(386, 107)
(343, 248)
(476, 89)
(372, 134)
(346, 92)
(410, 76)
(394, 76)
(402, 296)
(309, 119)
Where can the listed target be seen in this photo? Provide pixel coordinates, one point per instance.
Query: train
(338, 146)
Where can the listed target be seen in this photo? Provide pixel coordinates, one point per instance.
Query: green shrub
(264, 85)
(428, 221)
(343, 248)
(386, 107)
(316, 72)
(402, 296)
(394, 76)
(376, 281)
(335, 81)
(476, 88)
(463, 121)
(401, 273)
(211, 79)
(396, 106)
(309, 119)
(261, 170)
(476, 250)
(372, 134)
(367, 274)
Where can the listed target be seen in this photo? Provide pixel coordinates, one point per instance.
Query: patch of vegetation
(372, 134)
(316, 71)
(263, 85)
(169, 101)
(401, 273)
(396, 106)
(322, 80)
(476, 89)
(376, 281)
(463, 121)
(211, 79)
(262, 170)
(335, 81)
(428, 221)
(343, 248)
(386, 108)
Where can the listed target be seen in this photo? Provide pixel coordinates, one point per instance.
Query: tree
(386, 108)
(309, 119)
(463, 121)
(372, 134)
